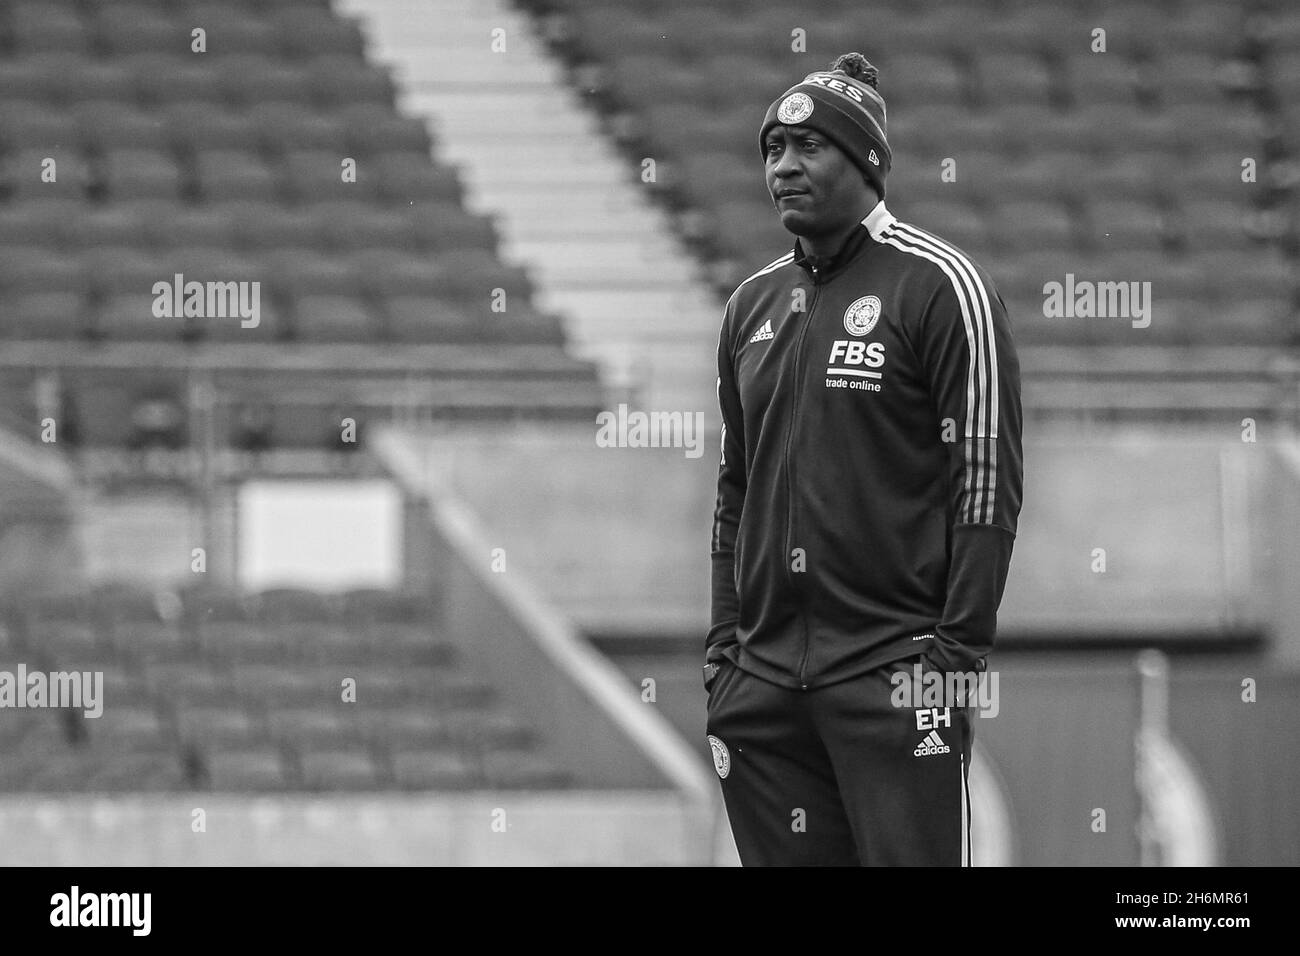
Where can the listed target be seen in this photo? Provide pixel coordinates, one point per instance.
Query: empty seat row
(244, 768)
(103, 124)
(126, 28)
(222, 175)
(245, 227)
(472, 275)
(160, 79)
(1050, 28)
(308, 319)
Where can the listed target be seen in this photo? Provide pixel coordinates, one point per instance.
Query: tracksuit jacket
(870, 477)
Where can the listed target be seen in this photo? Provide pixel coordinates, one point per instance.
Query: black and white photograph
(677, 434)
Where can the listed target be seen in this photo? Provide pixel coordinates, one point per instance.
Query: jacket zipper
(789, 476)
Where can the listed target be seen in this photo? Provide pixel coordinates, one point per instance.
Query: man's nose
(787, 164)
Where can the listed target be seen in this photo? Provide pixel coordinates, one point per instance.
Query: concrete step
(569, 206)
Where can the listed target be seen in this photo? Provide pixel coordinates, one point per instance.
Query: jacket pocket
(725, 667)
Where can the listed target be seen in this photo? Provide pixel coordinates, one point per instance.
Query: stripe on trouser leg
(965, 816)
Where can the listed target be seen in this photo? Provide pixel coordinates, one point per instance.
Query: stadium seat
(1190, 77)
(1035, 225)
(234, 175)
(1121, 176)
(115, 224)
(1254, 320)
(259, 227)
(233, 32)
(433, 769)
(123, 269)
(306, 272)
(25, 124)
(1209, 224)
(40, 77)
(126, 727)
(36, 28)
(23, 175)
(129, 317)
(472, 275)
(1014, 78)
(111, 126)
(136, 772)
(449, 685)
(333, 318)
(943, 130)
(284, 127)
(292, 605)
(390, 274)
(96, 79)
(215, 725)
(308, 31)
(349, 225)
(516, 770)
(484, 730)
(142, 174)
(44, 315)
(708, 175)
(71, 644)
(124, 682)
(367, 131)
(175, 225)
(415, 643)
(1102, 78)
(421, 318)
(406, 178)
(1246, 273)
(263, 677)
(377, 606)
(1170, 276)
(1028, 126)
(316, 176)
(154, 641)
(1126, 224)
(128, 28)
(163, 78)
(338, 770)
(198, 125)
(313, 727)
(445, 225)
(337, 80)
(917, 80)
(400, 728)
(246, 770)
(247, 81)
(40, 271)
(188, 683)
(1244, 127)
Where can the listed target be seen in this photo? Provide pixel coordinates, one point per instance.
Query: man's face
(816, 187)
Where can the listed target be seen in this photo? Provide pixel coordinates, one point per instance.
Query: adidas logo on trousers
(932, 744)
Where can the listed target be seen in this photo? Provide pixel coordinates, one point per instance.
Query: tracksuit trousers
(839, 776)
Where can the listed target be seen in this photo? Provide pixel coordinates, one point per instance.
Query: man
(868, 493)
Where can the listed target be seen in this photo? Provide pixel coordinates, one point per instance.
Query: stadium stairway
(567, 206)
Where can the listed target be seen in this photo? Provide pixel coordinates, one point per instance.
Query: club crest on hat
(795, 108)
(861, 317)
(721, 756)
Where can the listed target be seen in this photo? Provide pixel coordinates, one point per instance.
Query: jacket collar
(869, 228)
